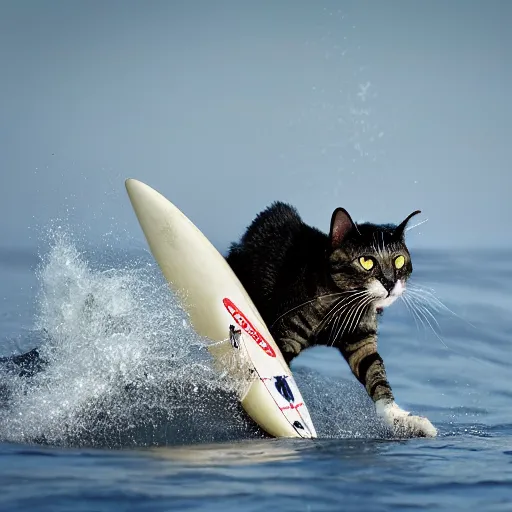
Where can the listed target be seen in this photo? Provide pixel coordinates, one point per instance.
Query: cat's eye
(366, 263)
(399, 262)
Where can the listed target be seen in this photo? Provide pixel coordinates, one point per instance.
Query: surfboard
(221, 311)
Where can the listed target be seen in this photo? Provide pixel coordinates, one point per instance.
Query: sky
(380, 107)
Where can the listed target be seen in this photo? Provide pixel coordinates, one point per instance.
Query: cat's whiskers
(423, 313)
(414, 310)
(428, 295)
(343, 318)
(361, 313)
(418, 302)
(423, 303)
(352, 317)
(310, 301)
(336, 323)
(424, 308)
(405, 300)
(335, 316)
(352, 320)
(333, 313)
(414, 314)
(340, 304)
(413, 307)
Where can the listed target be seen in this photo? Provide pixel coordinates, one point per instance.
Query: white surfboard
(220, 310)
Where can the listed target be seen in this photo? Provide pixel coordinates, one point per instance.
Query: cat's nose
(388, 285)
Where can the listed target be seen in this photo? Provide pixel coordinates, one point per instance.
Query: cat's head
(370, 257)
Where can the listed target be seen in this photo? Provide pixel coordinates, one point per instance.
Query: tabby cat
(317, 289)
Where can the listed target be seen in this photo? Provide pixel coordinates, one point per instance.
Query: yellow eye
(399, 262)
(366, 263)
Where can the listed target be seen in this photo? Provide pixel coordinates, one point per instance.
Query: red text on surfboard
(242, 321)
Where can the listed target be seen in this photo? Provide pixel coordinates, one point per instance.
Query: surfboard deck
(220, 309)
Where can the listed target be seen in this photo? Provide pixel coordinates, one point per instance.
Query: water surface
(130, 415)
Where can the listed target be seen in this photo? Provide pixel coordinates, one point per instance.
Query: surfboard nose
(134, 186)
(147, 203)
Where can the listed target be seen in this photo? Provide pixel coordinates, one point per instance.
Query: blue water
(129, 414)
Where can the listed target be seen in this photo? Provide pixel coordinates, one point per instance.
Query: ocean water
(130, 415)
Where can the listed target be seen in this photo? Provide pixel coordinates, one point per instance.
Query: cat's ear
(341, 225)
(400, 229)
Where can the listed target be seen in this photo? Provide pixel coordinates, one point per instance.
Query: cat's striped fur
(318, 289)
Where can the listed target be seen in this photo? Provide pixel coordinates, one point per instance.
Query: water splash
(340, 409)
(124, 365)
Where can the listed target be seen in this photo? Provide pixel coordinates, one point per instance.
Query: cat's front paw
(402, 422)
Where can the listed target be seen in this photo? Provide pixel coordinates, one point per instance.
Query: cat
(317, 289)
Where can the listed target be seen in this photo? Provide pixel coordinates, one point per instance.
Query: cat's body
(312, 289)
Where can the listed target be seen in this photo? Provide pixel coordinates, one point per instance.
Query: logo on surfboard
(242, 321)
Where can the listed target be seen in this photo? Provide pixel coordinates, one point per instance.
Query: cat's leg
(368, 367)
(290, 348)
